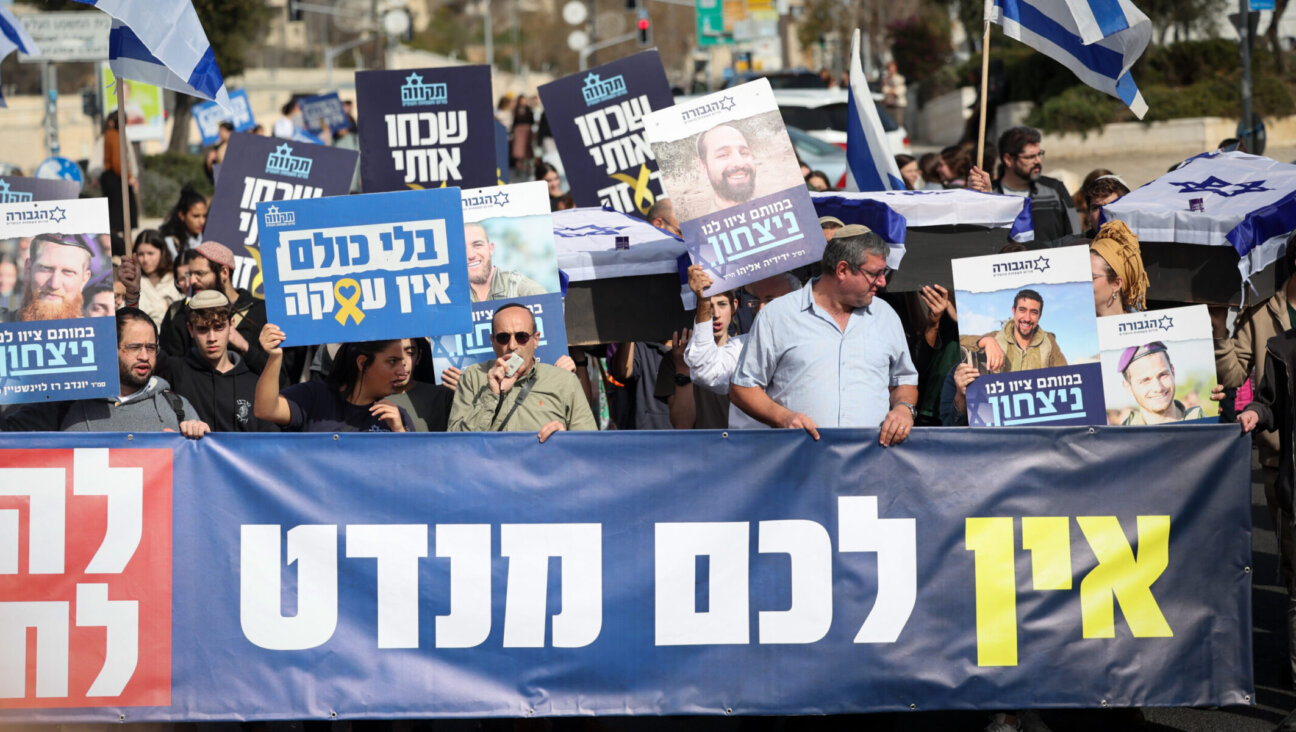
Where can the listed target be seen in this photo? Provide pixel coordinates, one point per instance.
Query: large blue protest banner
(209, 115)
(732, 174)
(596, 118)
(322, 576)
(260, 169)
(425, 128)
(324, 111)
(54, 345)
(16, 189)
(368, 267)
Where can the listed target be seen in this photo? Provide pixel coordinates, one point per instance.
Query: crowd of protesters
(825, 346)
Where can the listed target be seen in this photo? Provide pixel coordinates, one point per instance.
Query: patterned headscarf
(1118, 246)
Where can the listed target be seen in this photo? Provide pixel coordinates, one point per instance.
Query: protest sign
(361, 576)
(596, 118)
(209, 116)
(367, 267)
(1158, 366)
(260, 169)
(1034, 311)
(426, 128)
(324, 112)
(732, 173)
(509, 240)
(60, 341)
(15, 189)
(145, 105)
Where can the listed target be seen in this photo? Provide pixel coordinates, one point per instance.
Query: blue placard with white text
(596, 117)
(209, 116)
(368, 267)
(426, 128)
(324, 111)
(260, 169)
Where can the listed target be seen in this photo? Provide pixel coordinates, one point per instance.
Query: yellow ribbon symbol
(347, 304)
(256, 281)
(643, 198)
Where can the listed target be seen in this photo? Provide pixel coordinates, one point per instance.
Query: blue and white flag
(872, 166)
(162, 43)
(1231, 199)
(13, 37)
(1099, 40)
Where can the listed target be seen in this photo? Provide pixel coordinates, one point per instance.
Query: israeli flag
(1236, 200)
(161, 42)
(871, 165)
(1099, 40)
(13, 37)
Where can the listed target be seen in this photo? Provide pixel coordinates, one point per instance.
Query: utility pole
(1247, 33)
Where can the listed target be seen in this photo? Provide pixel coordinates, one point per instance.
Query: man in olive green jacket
(538, 397)
(1021, 345)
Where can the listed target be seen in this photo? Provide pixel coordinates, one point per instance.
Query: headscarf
(1118, 246)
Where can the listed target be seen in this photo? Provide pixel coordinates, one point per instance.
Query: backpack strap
(177, 406)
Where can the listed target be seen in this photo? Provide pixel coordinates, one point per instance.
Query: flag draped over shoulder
(162, 42)
(872, 166)
(13, 37)
(1099, 40)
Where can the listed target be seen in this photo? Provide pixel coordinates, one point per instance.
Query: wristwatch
(682, 380)
(913, 411)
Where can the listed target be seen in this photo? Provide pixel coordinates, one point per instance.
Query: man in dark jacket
(215, 379)
(213, 270)
(1022, 160)
(1274, 408)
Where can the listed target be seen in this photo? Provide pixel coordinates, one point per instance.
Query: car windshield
(828, 117)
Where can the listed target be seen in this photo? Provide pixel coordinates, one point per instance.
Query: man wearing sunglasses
(832, 354)
(146, 404)
(536, 397)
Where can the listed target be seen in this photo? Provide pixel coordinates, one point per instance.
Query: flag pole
(985, 76)
(123, 150)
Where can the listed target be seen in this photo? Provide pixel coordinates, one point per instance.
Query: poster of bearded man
(56, 341)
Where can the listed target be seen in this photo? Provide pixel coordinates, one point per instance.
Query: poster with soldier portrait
(729, 167)
(58, 339)
(1159, 366)
(1028, 327)
(512, 258)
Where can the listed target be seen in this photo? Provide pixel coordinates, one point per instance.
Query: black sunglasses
(522, 337)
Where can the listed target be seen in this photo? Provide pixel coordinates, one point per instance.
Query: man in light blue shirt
(831, 354)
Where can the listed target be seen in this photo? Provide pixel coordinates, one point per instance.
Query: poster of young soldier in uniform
(597, 121)
(1027, 323)
(509, 241)
(260, 169)
(366, 267)
(728, 165)
(1158, 366)
(425, 128)
(54, 343)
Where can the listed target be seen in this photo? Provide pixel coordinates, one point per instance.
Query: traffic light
(645, 30)
(294, 12)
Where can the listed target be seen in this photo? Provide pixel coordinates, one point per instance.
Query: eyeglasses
(1028, 158)
(522, 338)
(137, 347)
(884, 273)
